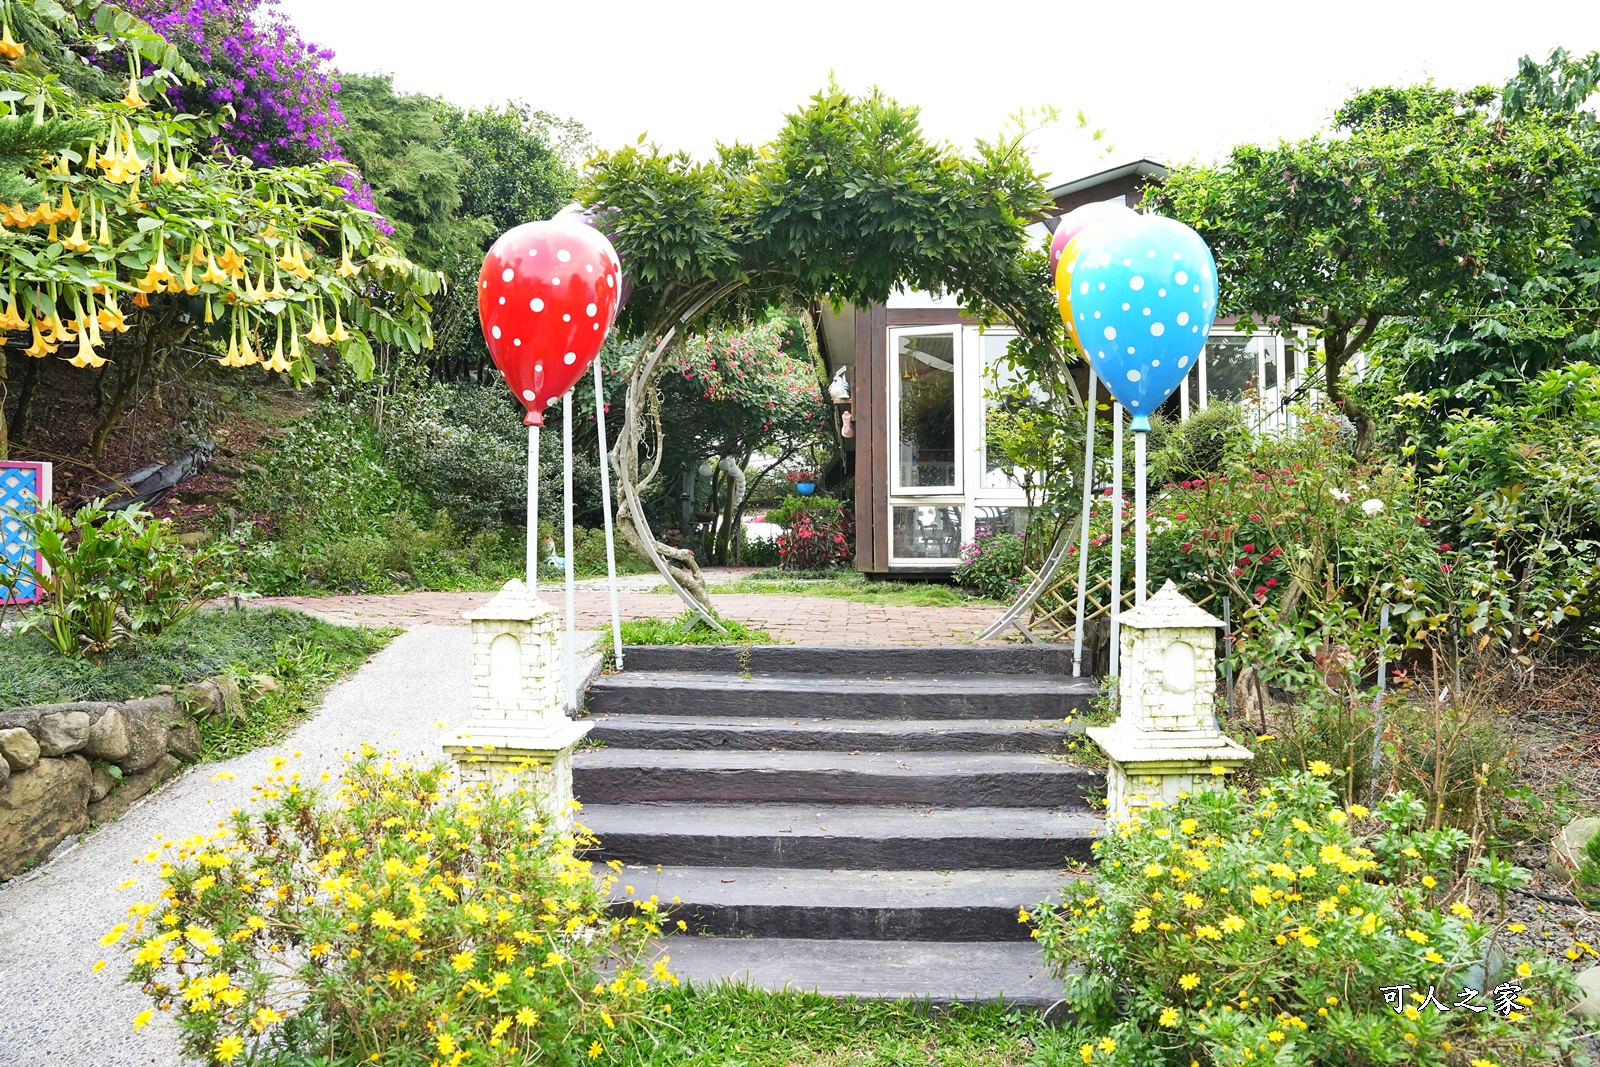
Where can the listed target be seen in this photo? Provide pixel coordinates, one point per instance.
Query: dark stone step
(845, 904)
(940, 973)
(853, 661)
(976, 780)
(813, 734)
(850, 836)
(961, 696)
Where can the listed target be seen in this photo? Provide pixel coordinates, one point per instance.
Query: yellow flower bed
(403, 924)
(1275, 927)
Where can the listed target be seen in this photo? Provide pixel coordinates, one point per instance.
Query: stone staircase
(858, 821)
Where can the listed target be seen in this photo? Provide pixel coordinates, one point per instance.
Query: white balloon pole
(1141, 429)
(533, 508)
(567, 646)
(1083, 540)
(1116, 536)
(605, 497)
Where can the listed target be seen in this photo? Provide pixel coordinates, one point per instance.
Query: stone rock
(101, 781)
(19, 748)
(266, 683)
(216, 697)
(1589, 983)
(133, 787)
(108, 737)
(63, 731)
(1566, 848)
(183, 736)
(39, 808)
(5, 771)
(147, 731)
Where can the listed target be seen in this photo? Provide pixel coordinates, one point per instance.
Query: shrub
(1588, 873)
(1238, 928)
(109, 575)
(1198, 447)
(402, 926)
(818, 531)
(993, 564)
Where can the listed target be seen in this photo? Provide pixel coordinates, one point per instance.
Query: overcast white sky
(1168, 80)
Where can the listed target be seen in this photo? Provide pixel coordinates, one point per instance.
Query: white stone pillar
(1165, 740)
(519, 733)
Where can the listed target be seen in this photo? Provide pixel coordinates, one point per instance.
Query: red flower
(1272, 583)
(1261, 592)
(1249, 548)
(1444, 548)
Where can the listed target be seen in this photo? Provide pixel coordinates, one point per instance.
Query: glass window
(1232, 364)
(927, 415)
(990, 521)
(1269, 368)
(1005, 397)
(927, 532)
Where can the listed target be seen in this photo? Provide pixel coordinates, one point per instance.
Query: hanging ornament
(547, 296)
(1143, 295)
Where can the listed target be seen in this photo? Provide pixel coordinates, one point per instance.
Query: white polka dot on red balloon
(590, 310)
(536, 304)
(507, 274)
(564, 255)
(495, 330)
(570, 357)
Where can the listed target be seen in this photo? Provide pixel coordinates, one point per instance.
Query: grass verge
(732, 1024)
(850, 585)
(302, 656)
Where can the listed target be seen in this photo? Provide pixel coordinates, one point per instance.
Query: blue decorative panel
(22, 487)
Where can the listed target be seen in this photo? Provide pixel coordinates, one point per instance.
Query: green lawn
(734, 1025)
(302, 655)
(850, 585)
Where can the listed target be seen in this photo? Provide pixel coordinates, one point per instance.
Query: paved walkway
(53, 1010)
(800, 620)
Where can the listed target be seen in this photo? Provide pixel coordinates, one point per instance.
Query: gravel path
(53, 1010)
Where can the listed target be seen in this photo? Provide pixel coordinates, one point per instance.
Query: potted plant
(804, 482)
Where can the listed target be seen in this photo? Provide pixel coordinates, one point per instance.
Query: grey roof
(1147, 168)
(1168, 609)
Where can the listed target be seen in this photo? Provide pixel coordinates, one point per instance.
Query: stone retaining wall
(56, 759)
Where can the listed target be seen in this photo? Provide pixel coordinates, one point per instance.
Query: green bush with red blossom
(993, 564)
(818, 532)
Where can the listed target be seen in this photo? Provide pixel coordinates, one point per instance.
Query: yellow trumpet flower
(295, 352)
(318, 334)
(141, 300)
(87, 356)
(172, 175)
(105, 231)
(286, 261)
(132, 97)
(278, 292)
(111, 316)
(247, 355)
(10, 320)
(40, 347)
(57, 330)
(232, 357)
(347, 269)
(209, 317)
(339, 332)
(189, 285)
(52, 236)
(18, 216)
(67, 210)
(214, 274)
(76, 243)
(276, 363)
(10, 47)
(231, 261)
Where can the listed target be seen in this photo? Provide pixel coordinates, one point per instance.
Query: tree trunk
(1338, 345)
(30, 389)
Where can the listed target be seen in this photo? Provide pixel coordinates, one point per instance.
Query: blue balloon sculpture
(1144, 295)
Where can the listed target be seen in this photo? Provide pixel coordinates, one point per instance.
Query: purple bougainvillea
(277, 94)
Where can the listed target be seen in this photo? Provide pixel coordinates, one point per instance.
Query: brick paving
(800, 620)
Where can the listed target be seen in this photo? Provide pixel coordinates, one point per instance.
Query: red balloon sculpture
(547, 296)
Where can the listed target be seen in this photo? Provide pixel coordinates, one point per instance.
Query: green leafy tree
(1415, 198)
(849, 201)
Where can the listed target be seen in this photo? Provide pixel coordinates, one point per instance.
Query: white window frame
(921, 493)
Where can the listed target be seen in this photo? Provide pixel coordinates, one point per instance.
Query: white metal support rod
(1116, 537)
(1140, 533)
(605, 498)
(533, 508)
(1083, 539)
(567, 646)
